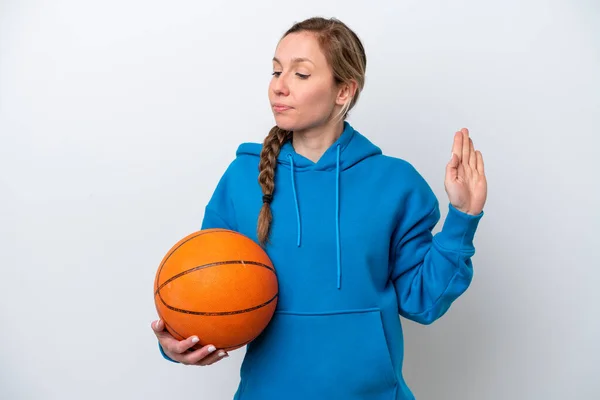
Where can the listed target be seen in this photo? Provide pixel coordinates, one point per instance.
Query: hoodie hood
(352, 146)
(349, 149)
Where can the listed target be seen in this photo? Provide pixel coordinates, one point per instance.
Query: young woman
(348, 229)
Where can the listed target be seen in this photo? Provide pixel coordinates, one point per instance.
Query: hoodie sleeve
(218, 213)
(431, 271)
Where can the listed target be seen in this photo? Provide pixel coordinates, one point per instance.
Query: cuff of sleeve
(164, 355)
(459, 229)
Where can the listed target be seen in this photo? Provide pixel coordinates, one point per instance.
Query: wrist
(473, 212)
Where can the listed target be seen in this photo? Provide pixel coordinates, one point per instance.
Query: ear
(346, 92)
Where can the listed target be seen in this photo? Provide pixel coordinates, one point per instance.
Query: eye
(302, 76)
(276, 73)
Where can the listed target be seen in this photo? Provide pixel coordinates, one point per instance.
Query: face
(302, 92)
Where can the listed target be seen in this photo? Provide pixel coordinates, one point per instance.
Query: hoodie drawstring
(337, 219)
(337, 213)
(295, 198)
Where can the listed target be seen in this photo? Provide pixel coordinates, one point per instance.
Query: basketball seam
(219, 313)
(215, 264)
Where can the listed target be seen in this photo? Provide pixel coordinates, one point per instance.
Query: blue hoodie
(352, 244)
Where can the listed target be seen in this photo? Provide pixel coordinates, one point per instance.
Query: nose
(280, 86)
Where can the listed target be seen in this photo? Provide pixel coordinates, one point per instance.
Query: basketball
(216, 284)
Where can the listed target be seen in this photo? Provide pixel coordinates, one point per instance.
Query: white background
(117, 118)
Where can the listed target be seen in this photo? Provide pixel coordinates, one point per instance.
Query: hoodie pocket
(342, 355)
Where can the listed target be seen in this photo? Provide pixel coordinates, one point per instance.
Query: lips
(281, 107)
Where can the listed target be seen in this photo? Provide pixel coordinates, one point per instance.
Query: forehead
(300, 45)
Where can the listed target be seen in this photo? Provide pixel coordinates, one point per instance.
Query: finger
(457, 145)
(472, 155)
(195, 356)
(184, 345)
(480, 166)
(157, 325)
(465, 146)
(168, 342)
(165, 340)
(452, 168)
(164, 337)
(159, 329)
(213, 358)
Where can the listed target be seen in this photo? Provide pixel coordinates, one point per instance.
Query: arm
(430, 272)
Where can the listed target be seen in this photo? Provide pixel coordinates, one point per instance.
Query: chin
(285, 123)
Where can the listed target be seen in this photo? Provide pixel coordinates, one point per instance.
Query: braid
(266, 177)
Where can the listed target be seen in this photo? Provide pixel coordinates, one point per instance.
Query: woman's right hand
(180, 350)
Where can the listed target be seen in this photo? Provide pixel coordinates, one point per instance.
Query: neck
(313, 142)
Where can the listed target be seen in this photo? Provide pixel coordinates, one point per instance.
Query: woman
(348, 229)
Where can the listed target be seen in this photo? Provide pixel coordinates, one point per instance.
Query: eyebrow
(295, 60)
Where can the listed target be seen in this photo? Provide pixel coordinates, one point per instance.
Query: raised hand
(465, 181)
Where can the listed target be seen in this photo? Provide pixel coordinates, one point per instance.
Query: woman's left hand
(465, 181)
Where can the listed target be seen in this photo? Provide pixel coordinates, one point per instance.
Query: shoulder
(408, 180)
(249, 149)
(400, 168)
(244, 164)
(247, 154)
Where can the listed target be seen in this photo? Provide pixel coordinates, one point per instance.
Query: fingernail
(221, 353)
(156, 324)
(211, 349)
(195, 339)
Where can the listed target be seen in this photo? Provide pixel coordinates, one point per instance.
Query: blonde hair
(346, 57)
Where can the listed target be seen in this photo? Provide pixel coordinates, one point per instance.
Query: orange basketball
(216, 284)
